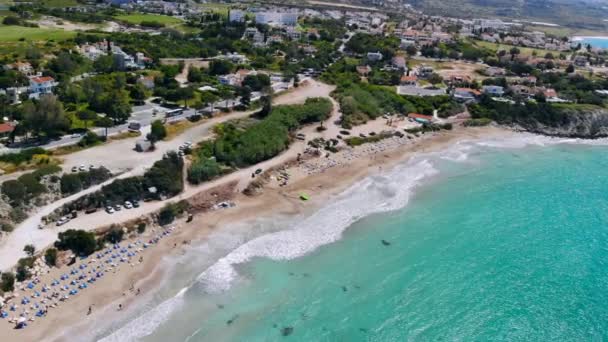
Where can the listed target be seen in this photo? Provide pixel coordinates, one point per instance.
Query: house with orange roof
(40, 85)
(409, 80)
(466, 94)
(420, 118)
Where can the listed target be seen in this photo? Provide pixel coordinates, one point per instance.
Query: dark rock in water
(344, 288)
(230, 321)
(306, 275)
(274, 325)
(386, 243)
(287, 331)
(220, 306)
(291, 273)
(357, 287)
(363, 330)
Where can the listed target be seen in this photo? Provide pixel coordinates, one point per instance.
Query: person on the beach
(90, 310)
(138, 291)
(119, 307)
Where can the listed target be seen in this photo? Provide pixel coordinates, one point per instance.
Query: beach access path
(11, 248)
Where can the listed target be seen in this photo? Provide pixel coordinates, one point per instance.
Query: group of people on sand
(36, 298)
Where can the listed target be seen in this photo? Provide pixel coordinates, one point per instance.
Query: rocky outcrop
(589, 123)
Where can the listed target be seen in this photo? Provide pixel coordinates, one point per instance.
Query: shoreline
(275, 200)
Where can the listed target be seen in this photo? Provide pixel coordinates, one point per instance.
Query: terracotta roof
(406, 78)
(42, 79)
(469, 90)
(6, 128)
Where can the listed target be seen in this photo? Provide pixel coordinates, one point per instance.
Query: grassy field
(138, 18)
(561, 31)
(15, 33)
(525, 51)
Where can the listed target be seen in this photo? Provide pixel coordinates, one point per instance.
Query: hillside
(572, 13)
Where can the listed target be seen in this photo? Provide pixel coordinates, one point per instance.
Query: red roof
(406, 78)
(6, 128)
(42, 79)
(469, 90)
(420, 116)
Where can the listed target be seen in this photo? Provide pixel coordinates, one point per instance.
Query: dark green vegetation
(269, 137)
(163, 179)
(361, 102)
(170, 211)
(72, 183)
(79, 242)
(27, 187)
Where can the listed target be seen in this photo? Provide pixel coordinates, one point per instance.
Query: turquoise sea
(493, 244)
(596, 42)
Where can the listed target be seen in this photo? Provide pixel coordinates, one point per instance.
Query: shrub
(23, 156)
(6, 227)
(141, 227)
(79, 242)
(157, 131)
(15, 191)
(170, 211)
(17, 215)
(46, 170)
(50, 256)
(115, 235)
(30, 250)
(70, 184)
(8, 282)
(90, 139)
(33, 187)
(477, 122)
(203, 169)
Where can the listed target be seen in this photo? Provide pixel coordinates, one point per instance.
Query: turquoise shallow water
(596, 42)
(509, 245)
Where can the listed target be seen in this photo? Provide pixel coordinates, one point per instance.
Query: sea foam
(377, 193)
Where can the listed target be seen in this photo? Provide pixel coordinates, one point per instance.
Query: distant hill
(572, 13)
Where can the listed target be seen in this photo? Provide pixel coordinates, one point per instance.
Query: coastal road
(120, 154)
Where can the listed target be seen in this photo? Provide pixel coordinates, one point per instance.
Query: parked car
(82, 168)
(90, 210)
(110, 210)
(128, 205)
(74, 169)
(135, 204)
(118, 207)
(300, 136)
(63, 220)
(91, 167)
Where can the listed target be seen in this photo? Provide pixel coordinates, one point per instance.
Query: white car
(63, 221)
(128, 205)
(82, 168)
(109, 210)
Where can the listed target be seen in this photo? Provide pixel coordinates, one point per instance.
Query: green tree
(80, 242)
(157, 131)
(30, 250)
(70, 184)
(570, 69)
(116, 105)
(8, 282)
(15, 191)
(202, 170)
(220, 67)
(50, 256)
(86, 115)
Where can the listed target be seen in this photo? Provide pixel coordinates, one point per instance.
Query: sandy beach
(138, 275)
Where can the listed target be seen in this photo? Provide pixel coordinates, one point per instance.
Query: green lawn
(138, 18)
(59, 3)
(15, 33)
(525, 51)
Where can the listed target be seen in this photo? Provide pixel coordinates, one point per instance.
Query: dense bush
(115, 235)
(203, 169)
(90, 139)
(23, 156)
(157, 131)
(165, 175)
(170, 211)
(80, 242)
(50, 256)
(8, 282)
(15, 191)
(269, 137)
(75, 182)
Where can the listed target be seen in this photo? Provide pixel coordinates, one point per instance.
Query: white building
(40, 85)
(236, 16)
(374, 56)
(277, 18)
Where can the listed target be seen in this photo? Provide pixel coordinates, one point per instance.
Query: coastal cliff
(590, 123)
